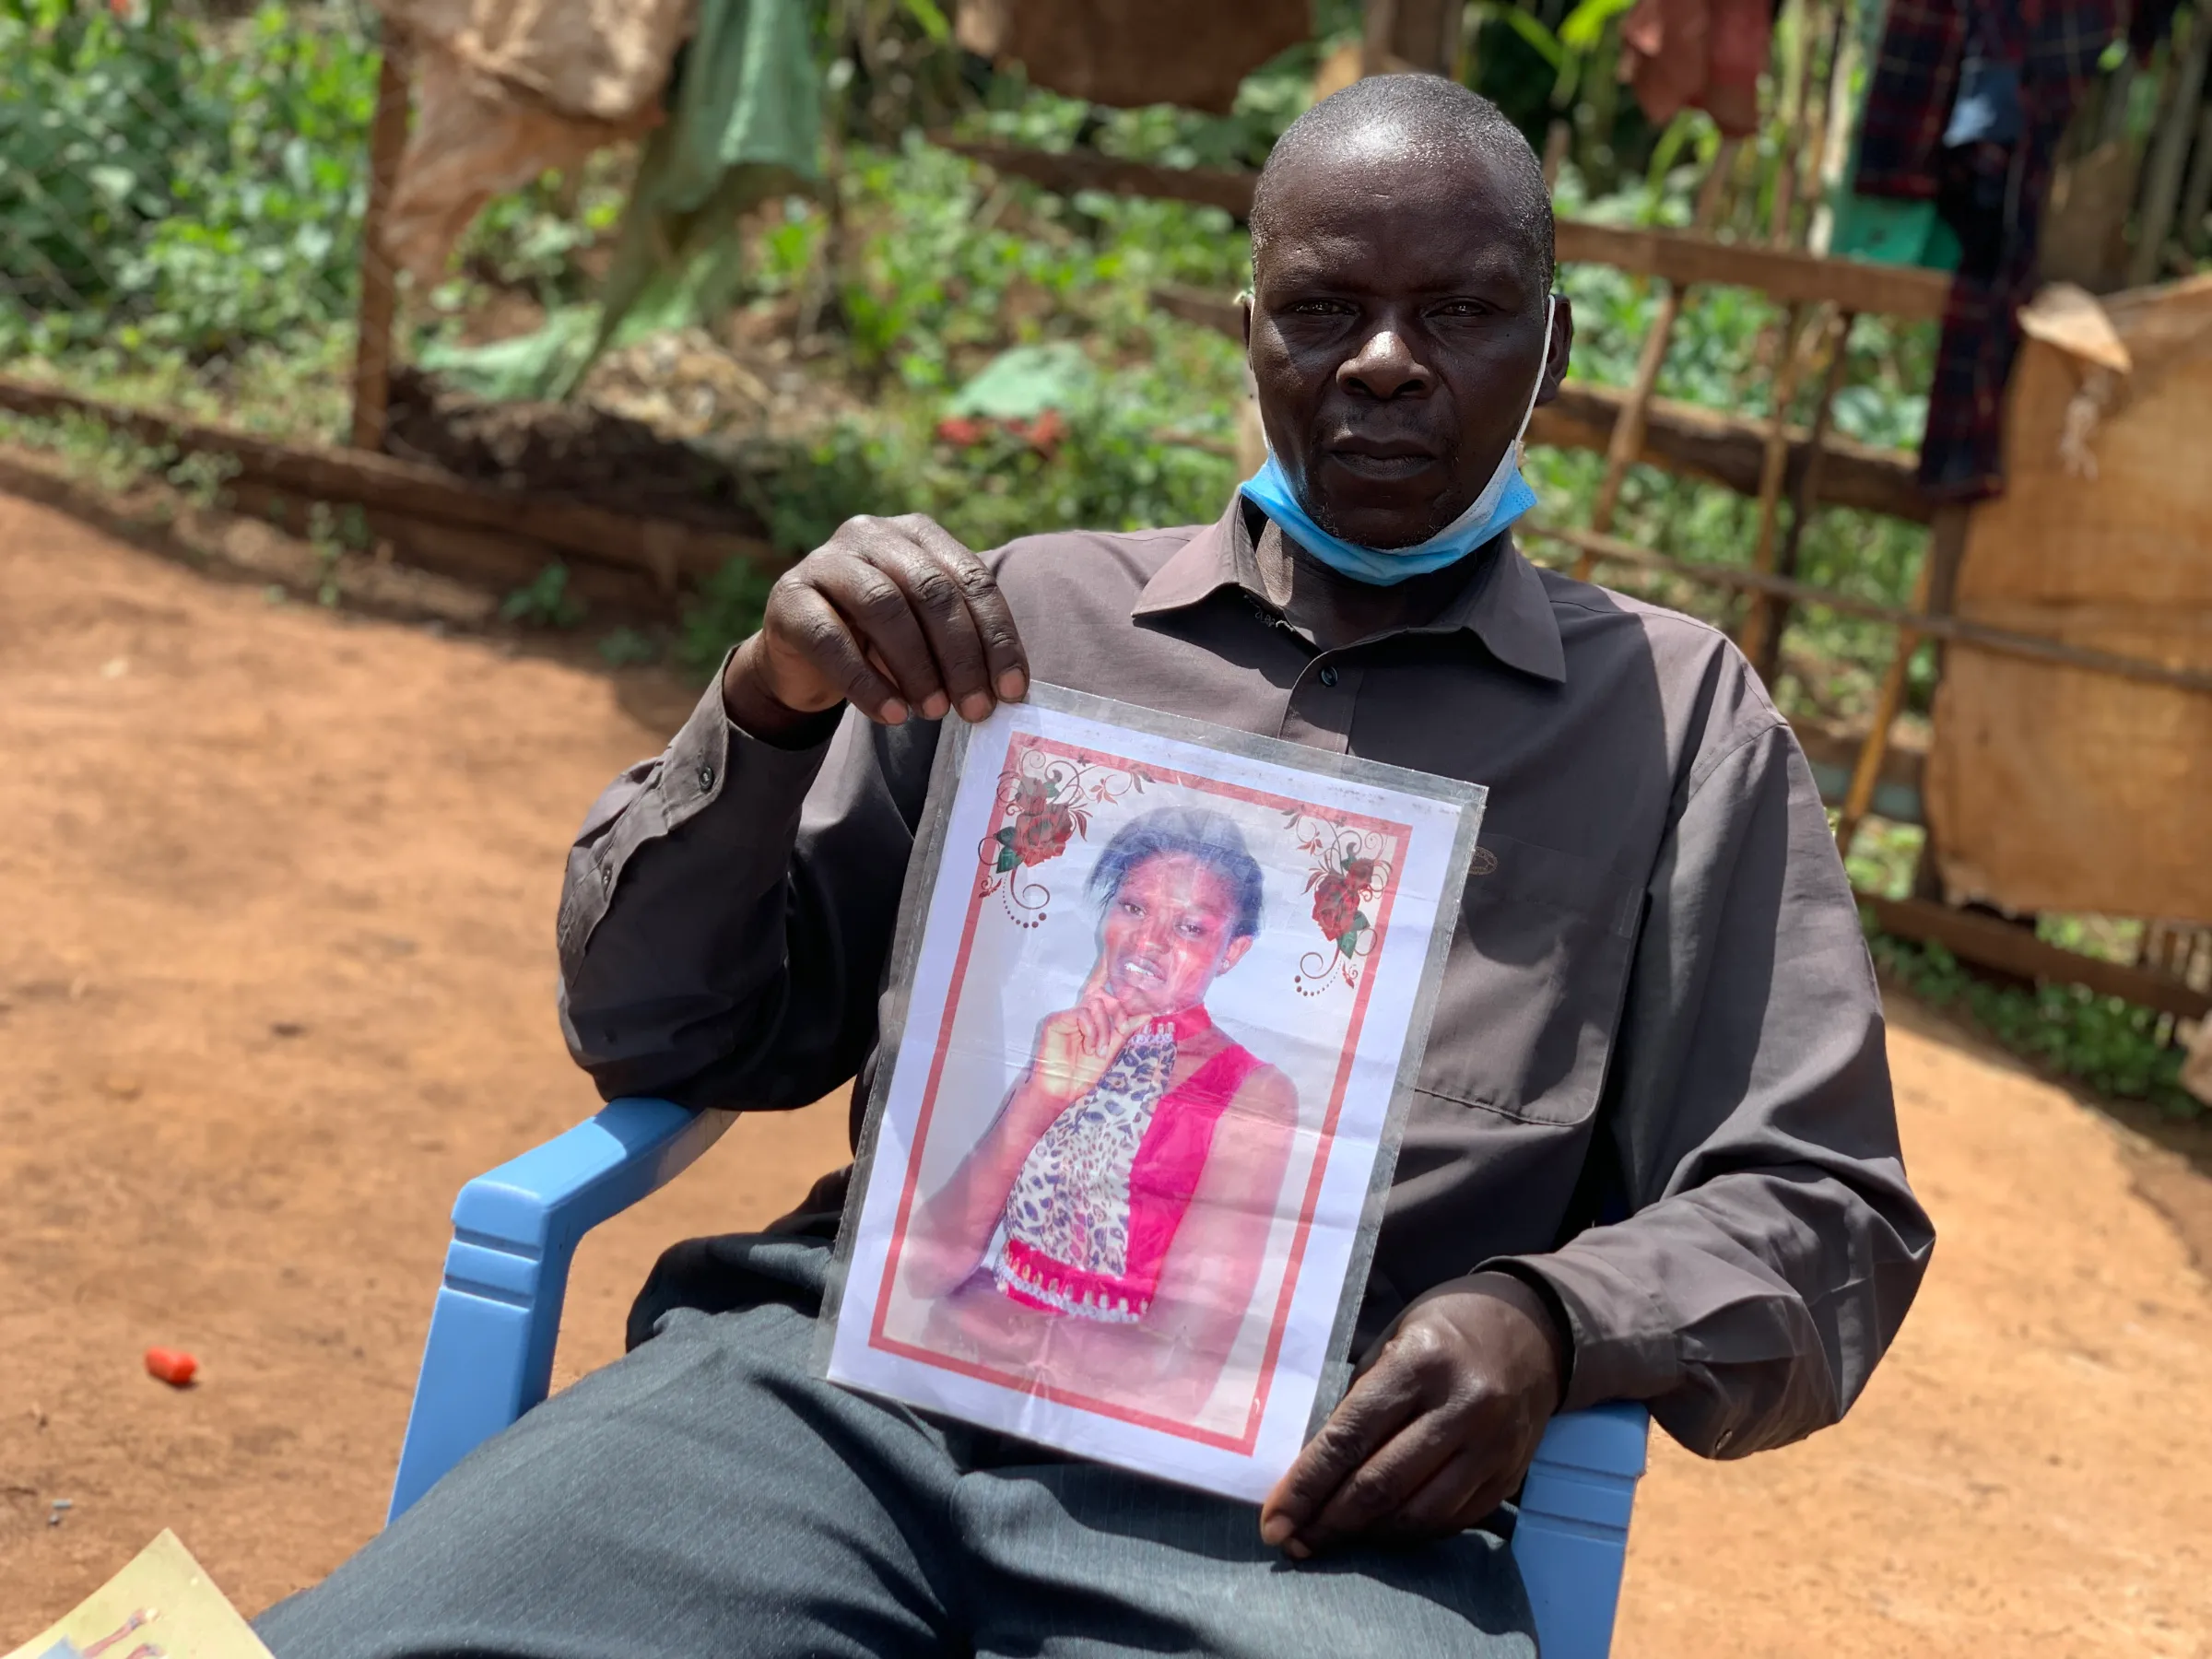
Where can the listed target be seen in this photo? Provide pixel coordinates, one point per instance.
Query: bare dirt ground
(276, 890)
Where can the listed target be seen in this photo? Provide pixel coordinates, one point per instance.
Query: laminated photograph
(1162, 992)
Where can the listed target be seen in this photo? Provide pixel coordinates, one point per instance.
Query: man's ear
(1233, 955)
(1561, 347)
(1244, 316)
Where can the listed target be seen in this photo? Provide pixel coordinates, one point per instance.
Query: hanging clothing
(1099, 1199)
(1127, 54)
(743, 123)
(1966, 109)
(505, 90)
(1705, 54)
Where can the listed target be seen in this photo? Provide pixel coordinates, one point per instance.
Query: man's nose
(1385, 368)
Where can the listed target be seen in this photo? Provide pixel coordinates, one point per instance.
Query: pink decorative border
(1392, 840)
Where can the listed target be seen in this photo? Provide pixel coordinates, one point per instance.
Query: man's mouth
(1381, 459)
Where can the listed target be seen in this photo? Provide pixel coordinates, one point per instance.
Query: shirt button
(706, 778)
(1328, 678)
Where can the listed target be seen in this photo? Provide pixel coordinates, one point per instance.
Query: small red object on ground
(173, 1366)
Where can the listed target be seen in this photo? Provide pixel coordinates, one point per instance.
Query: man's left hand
(1438, 1428)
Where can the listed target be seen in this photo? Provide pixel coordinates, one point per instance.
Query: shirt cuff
(735, 796)
(714, 763)
(1620, 1342)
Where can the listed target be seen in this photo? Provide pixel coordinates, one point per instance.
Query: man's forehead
(1439, 207)
(1389, 161)
(1377, 245)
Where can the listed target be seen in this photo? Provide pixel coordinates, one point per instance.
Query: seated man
(1652, 1155)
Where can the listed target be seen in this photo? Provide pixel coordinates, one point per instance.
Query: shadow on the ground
(158, 519)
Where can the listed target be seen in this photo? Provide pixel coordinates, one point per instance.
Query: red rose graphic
(1335, 906)
(1359, 873)
(1041, 834)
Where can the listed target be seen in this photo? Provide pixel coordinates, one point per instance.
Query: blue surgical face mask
(1504, 498)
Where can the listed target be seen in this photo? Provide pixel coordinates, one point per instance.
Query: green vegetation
(179, 208)
(163, 193)
(2111, 1046)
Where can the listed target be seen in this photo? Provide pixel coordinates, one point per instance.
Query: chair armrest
(489, 1354)
(1572, 1534)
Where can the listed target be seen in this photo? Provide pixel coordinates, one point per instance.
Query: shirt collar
(1503, 603)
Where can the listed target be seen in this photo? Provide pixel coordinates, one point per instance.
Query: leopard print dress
(1126, 1155)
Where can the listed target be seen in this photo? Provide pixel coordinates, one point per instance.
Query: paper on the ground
(163, 1605)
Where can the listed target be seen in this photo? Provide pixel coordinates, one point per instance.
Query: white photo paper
(1165, 992)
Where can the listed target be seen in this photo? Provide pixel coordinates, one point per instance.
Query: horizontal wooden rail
(1679, 256)
(1996, 944)
(665, 549)
(1782, 274)
(1728, 450)
(1227, 188)
(1957, 630)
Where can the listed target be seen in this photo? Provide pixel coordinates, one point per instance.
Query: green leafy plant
(725, 610)
(157, 193)
(546, 601)
(626, 648)
(2113, 1047)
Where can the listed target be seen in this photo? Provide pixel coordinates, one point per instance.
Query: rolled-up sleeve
(1772, 1245)
(728, 907)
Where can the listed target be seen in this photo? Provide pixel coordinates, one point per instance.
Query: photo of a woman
(1106, 1233)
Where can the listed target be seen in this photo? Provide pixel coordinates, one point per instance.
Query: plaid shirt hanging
(1993, 196)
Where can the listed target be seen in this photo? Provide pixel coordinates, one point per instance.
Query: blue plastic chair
(489, 1355)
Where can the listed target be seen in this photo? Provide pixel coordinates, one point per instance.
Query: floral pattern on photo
(1348, 876)
(1045, 801)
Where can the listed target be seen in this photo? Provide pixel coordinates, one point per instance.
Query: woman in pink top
(1106, 1233)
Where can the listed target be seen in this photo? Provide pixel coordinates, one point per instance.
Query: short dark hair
(1436, 117)
(1210, 837)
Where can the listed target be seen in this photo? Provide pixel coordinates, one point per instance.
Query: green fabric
(744, 125)
(1880, 228)
(1893, 232)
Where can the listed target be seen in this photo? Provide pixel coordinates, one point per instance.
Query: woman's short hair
(1211, 837)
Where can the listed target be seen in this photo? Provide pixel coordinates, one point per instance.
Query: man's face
(1396, 330)
(1166, 934)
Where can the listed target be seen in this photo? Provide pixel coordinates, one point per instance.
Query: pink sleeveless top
(1091, 1214)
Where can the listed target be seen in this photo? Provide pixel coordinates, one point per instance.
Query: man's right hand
(893, 616)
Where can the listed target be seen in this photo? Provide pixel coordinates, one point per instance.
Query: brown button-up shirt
(1655, 1084)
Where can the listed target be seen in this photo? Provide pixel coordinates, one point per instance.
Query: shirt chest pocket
(1532, 994)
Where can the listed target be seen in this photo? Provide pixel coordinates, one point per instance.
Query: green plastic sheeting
(744, 125)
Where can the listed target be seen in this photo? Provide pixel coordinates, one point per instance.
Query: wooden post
(1774, 468)
(1417, 34)
(1764, 621)
(1558, 137)
(372, 343)
(1798, 111)
(2196, 196)
(1947, 552)
(1376, 40)
(2162, 192)
(1627, 431)
(1888, 704)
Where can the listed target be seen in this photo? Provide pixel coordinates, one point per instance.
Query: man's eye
(1460, 308)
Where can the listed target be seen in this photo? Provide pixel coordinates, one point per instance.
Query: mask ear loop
(1551, 306)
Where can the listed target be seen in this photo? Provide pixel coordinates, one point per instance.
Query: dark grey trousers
(707, 1497)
